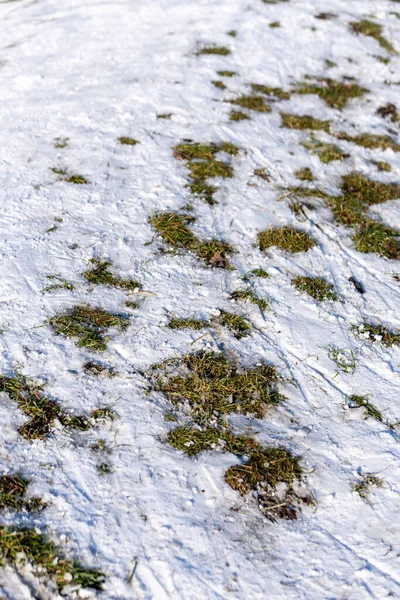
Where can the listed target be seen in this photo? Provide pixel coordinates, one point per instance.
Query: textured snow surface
(93, 71)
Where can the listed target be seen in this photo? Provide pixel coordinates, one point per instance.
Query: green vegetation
(234, 323)
(127, 141)
(316, 287)
(304, 122)
(238, 115)
(42, 411)
(62, 284)
(164, 116)
(335, 93)
(262, 468)
(61, 142)
(219, 84)
(172, 227)
(210, 386)
(274, 24)
(266, 90)
(374, 30)
(12, 494)
(344, 358)
(88, 325)
(378, 333)
(249, 296)
(100, 275)
(350, 209)
(364, 486)
(381, 165)
(218, 50)
(325, 152)
(251, 102)
(304, 174)
(65, 176)
(202, 164)
(39, 550)
(286, 238)
(371, 141)
(226, 73)
(260, 273)
(369, 409)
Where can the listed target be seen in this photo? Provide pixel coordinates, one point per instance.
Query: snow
(95, 70)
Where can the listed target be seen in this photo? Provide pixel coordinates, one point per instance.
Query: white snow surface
(93, 71)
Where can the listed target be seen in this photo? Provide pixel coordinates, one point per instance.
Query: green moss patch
(89, 325)
(286, 238)
(173, 228)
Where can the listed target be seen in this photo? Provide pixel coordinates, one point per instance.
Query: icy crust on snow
(93, 72)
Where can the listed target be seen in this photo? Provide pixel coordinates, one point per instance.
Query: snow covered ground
(163, 525)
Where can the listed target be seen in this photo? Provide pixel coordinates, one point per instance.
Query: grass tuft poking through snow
(316, 287)
(285, 238)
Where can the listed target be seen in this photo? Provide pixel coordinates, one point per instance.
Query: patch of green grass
(316, 287)
(46, 558)
(232, 33)
(127, 141)
(364, 486)
(249, 296)
(304, 192)
(253, 102)
(286, 238)
(378, 333)
(238, 115)
(219, 84)
(344, 358)
(235, 323)
(65, 176)
(381, 165)
(42, 411)
(335, 93)
(172, 227)
(373, 236)
(62, 284)
(274, 24)
(260, 273)
(12, 495)
(371, 141)
(195, 324)
(100, 275)
(61, 142)
(87, 324)
(325, 152)
(374, 30)
(369, 409)
(164, 116)
(202, 164)
(304, 174)
(304, 122)
(226, 73)
(214, 49)
(208, 385)
(350, 209)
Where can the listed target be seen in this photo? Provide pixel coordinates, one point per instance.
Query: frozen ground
(162, 525)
